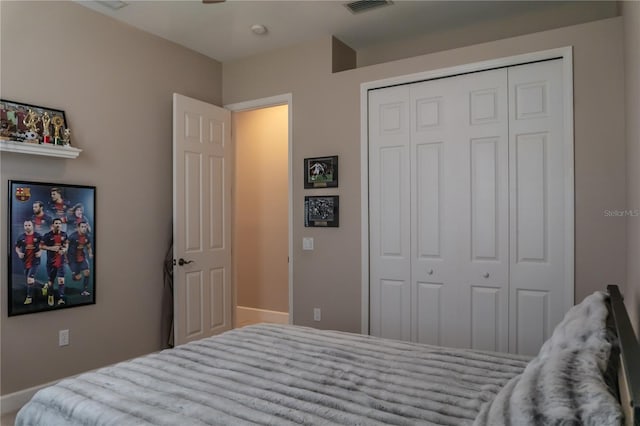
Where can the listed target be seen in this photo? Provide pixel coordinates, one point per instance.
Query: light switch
(307, 243)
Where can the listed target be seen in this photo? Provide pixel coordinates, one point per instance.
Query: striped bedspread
(280, 375)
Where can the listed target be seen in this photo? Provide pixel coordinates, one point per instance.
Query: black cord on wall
(167, 299)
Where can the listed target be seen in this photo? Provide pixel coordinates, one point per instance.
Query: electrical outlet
(316, 314)
(63, 337)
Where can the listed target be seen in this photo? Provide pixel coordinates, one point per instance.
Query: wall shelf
(36, 149)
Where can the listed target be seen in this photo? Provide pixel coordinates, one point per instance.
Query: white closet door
(433, 258)
(480, 211)
(390, 250)
(537, 195)
(467, 185)
(459, 204)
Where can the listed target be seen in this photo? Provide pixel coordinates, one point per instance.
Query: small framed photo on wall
(322, 211)
(52, 246)
(321, 172)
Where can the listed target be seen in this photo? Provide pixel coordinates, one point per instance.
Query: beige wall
(553, 15)
(631, 13)
(261, 208)
(115, 84)
(326, 121)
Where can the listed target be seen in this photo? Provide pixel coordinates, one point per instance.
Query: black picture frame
(321, 172)
(12, 126)
(57, 267)
(322, 211)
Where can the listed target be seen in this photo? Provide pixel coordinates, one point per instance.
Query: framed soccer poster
(321, 172)
(322, 211)
(52, 246)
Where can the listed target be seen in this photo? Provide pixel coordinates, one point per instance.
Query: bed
(283, 374)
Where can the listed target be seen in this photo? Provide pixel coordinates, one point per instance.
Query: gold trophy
(46, 121)
(30, 120)
(57, 125)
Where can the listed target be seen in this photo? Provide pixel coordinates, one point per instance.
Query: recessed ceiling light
(259, 29)
(113, 4)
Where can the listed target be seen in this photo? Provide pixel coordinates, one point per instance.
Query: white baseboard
(248, 316)
(14, 401)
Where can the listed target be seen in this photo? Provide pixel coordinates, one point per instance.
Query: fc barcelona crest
(23, 194)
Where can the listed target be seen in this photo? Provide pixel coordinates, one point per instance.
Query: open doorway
(261, 215)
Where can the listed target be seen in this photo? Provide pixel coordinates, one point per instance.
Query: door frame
(564, 53)
(277, 100)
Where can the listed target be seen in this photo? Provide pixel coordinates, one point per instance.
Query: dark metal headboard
(629, 376)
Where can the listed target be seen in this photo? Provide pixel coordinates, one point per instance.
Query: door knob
(486, 275)
(430, 272)
(181, 262)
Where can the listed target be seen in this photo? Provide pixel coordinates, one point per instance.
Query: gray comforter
(280, 375)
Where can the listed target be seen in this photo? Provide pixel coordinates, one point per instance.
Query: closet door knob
(486, 275)
(430, 272)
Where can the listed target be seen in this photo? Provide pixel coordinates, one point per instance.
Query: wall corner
(343, 57)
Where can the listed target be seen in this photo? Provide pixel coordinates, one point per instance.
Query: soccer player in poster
(79, 252)
(76, 216)
(29, 251)
(41, 220)
(56, 243)
(58, 207)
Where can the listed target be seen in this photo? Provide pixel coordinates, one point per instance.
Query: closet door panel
(390, 251)
(429, 157)
(532, 315)
(390, 181)
(393, 302)
(485, 199)
(432, 270)
(532, 198)
(537, 204)
(487, 319)
(429, 314)
(482, 210)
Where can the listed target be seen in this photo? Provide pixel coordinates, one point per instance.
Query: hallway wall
(261, 228)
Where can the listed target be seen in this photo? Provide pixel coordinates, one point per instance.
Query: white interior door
(467, 209)
(459, 205)
(439, 211)
(390, 216)
(201, 219)
(538, 192)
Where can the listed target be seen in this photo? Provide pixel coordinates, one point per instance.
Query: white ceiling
(222, 30)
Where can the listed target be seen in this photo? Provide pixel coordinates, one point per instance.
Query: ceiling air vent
(360, 6)
(112, 4)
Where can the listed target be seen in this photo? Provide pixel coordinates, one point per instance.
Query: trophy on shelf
(32, 124)
(66, 139)
(5, 134)
(30, 120)
(46, 134)
(58, 122)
